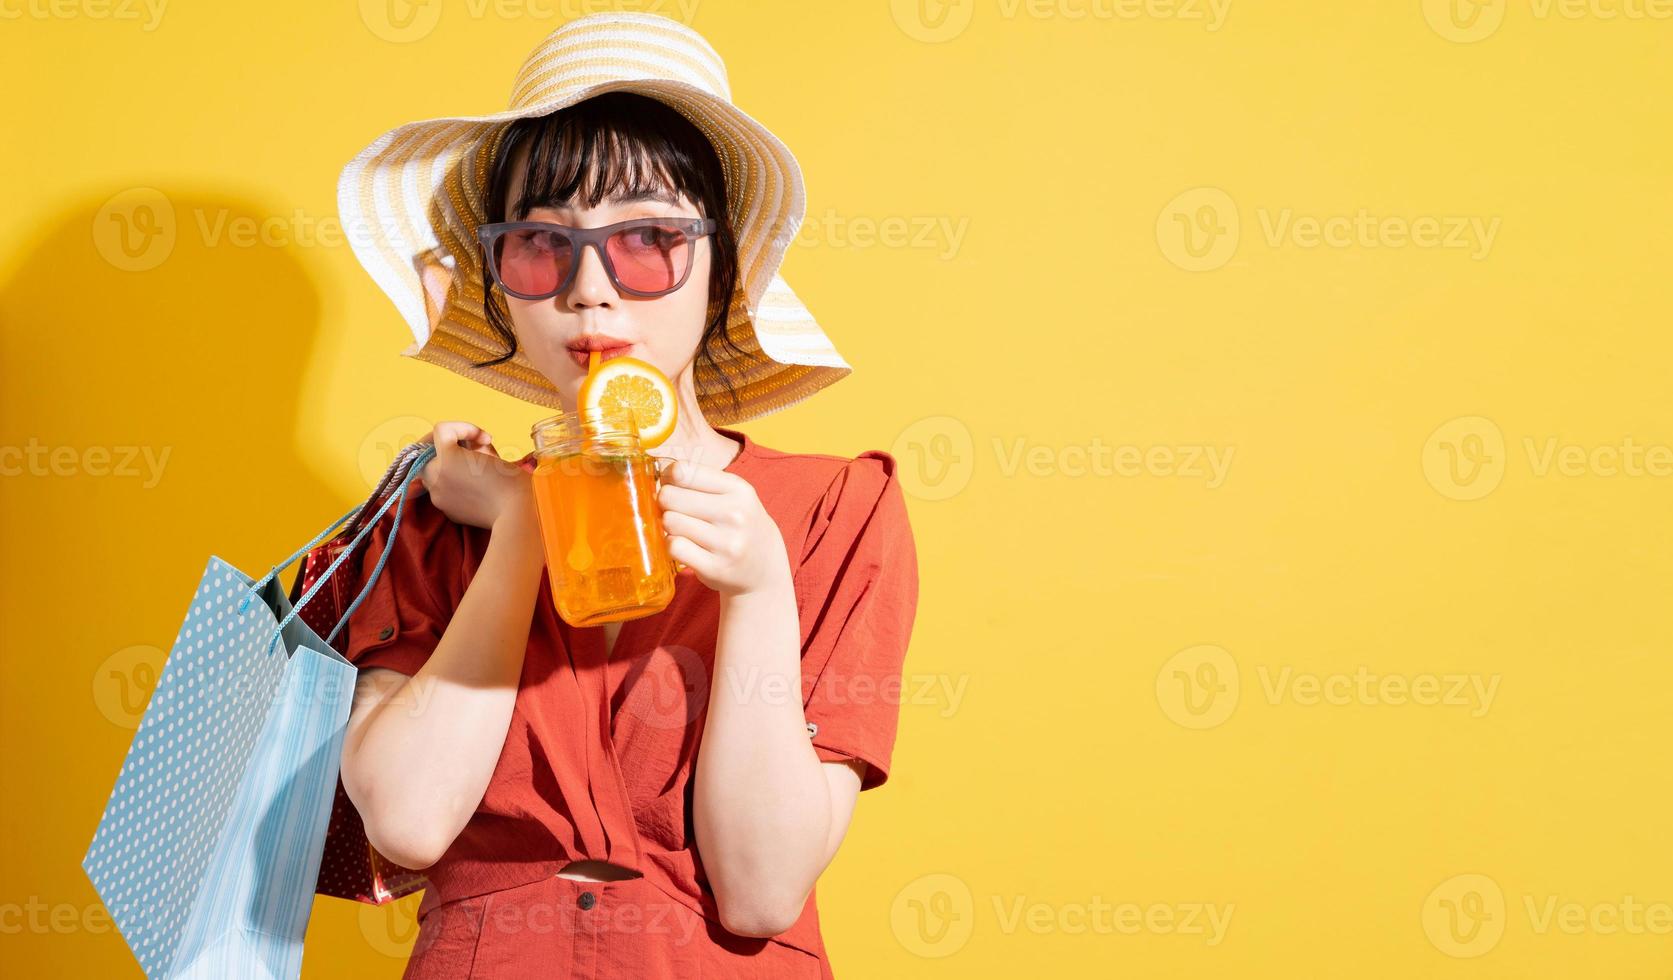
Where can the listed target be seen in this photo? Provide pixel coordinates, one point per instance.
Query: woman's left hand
(718, 527)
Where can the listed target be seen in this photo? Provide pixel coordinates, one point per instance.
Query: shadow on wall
(142, 325)
(150, 386)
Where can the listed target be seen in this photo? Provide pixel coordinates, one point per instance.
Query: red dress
(598, 760)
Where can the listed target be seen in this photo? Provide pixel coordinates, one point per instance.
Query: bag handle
(397, 500)
(416, 468)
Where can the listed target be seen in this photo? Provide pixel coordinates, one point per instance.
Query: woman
(653, 798)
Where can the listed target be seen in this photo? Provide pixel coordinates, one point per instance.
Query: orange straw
(580, 551)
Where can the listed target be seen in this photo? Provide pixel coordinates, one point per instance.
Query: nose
(592, 285)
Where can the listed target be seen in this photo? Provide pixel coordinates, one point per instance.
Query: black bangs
(614, 145)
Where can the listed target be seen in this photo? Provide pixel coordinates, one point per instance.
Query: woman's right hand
(470, 481)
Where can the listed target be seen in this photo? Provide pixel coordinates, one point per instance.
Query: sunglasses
(642, 256)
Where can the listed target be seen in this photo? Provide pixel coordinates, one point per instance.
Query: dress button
(587, 900)
(386, 632)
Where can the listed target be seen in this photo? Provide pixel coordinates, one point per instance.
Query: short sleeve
(402, 619)
(857, 594)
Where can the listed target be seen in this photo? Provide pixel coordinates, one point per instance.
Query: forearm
(419, 764)
(762, 803)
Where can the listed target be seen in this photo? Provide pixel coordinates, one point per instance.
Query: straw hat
(414, 197)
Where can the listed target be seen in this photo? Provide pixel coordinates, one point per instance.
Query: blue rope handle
(399, 497)
(417, 467)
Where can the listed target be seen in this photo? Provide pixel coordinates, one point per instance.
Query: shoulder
(816, 486)
(867, 484)
(778, 466)
(838, 509)
(428, 545)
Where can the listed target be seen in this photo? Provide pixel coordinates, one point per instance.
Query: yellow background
(1109, 721)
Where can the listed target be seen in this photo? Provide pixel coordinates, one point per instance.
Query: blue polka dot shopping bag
(209, 849)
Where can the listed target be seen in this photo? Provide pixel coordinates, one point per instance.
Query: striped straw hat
(415, 197)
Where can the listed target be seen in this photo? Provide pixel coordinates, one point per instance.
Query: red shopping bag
(351, 867)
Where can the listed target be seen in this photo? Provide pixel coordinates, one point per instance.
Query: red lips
(581, 348)
(583, 355)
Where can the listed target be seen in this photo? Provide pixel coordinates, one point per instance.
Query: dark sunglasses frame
(486, 235)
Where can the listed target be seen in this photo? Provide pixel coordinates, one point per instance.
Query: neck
(694, 438)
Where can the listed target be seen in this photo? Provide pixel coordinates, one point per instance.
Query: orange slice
(627, 382)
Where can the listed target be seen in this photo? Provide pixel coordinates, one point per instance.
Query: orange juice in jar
(600, 523)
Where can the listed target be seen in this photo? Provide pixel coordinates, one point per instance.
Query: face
(663, 330)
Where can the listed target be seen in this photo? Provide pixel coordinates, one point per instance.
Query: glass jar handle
(660, 470)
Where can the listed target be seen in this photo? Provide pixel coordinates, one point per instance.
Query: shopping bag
(350, 867)
(208, 851)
